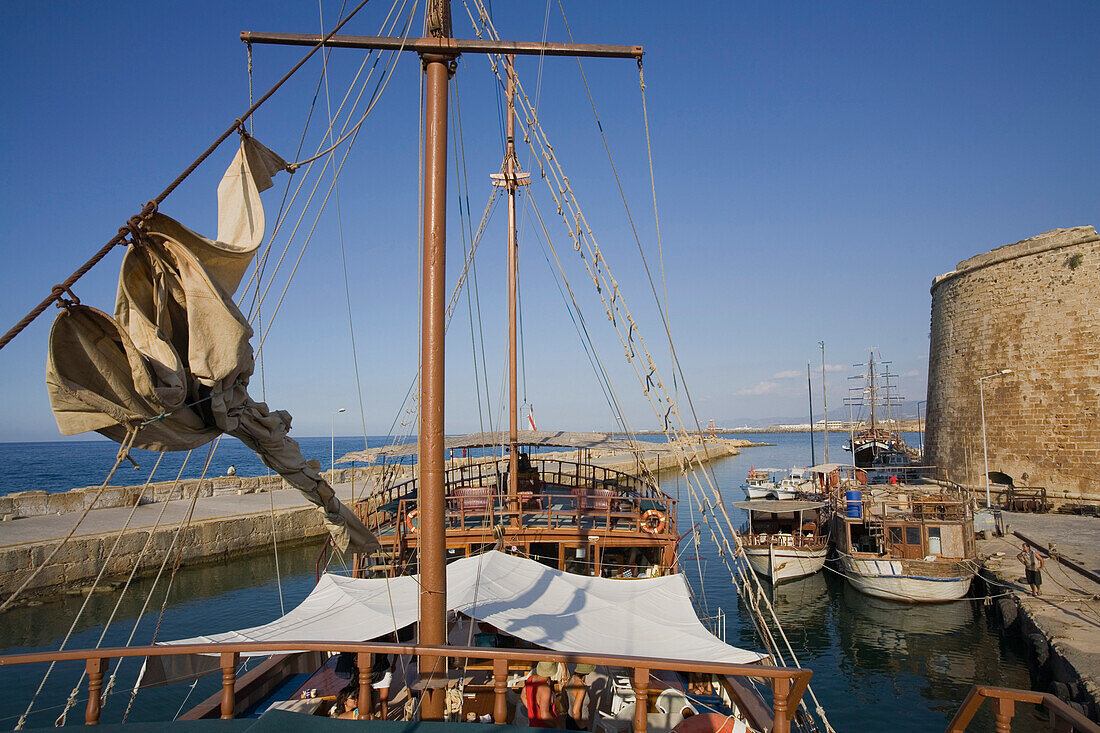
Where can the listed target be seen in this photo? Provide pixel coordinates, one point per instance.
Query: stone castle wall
(1033, 307)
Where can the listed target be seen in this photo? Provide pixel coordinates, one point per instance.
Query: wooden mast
(513, 381)
(438, 53)
(431, 501)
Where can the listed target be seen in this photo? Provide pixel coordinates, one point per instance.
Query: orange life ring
(656, 527)
(410, 518)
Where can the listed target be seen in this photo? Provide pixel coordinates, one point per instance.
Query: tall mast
(871, 373)
(432, 545)
(824, 400)
(810, 394)
(513, 381)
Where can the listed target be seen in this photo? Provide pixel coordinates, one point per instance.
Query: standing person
(1033, 568)
(539, 697)
(381, 675)
(576, 697)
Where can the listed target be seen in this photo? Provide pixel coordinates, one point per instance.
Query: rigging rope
(150, 208)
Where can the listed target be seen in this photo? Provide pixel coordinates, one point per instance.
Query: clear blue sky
(817, 165)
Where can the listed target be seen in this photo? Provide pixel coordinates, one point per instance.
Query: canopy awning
(541, 438)
(563, 612)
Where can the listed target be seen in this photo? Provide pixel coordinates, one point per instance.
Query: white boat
(759, 484)
(904, 542)
(785, 539)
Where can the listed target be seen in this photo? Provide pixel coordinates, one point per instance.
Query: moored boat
(784, 540)
(905, 542)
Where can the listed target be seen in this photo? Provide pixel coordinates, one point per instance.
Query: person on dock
(1033, 567)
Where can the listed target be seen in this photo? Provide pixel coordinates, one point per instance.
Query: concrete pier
(1061, 627)
(232, 517)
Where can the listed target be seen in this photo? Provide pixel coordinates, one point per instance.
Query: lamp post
(985, 443)
(920, 429)
(332, 465)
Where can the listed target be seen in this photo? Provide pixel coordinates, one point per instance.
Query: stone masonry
(1033, 307)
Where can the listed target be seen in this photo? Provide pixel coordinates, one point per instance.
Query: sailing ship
(529, 551)
(785, 540)
(905, 543)
(879, 446)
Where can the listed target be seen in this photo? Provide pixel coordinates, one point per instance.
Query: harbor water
(877, 665)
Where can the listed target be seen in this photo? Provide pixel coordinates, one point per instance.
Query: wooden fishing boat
(905, 542)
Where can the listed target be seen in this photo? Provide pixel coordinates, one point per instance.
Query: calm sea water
(64, 465)
(877, 665)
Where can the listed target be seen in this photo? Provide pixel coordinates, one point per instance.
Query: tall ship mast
(878, 445)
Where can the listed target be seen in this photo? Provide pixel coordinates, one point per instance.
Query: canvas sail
(174, 362)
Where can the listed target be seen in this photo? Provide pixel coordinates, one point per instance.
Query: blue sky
(817, 164)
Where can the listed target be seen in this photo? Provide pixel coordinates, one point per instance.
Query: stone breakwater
(230, 518)
(40, 503)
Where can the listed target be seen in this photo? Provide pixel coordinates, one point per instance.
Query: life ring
(411, 523)
(653, 522)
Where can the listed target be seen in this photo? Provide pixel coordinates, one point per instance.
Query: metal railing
(1063, 718)
(787, 684)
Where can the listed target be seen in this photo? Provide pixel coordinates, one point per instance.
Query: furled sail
(174, 362)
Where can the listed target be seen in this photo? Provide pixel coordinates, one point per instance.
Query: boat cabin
(907, 523)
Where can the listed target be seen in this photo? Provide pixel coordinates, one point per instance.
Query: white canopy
(560, 611)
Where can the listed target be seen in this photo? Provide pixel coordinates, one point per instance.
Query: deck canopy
(560, 611)
(777, 506)
(540, 438)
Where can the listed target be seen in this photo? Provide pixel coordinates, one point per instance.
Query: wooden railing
(618, 513)
(787, 684)
(551, 470)
(1063, 718)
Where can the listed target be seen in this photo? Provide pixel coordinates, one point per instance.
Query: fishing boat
(785, 540)
(904, 542)
(759, 484)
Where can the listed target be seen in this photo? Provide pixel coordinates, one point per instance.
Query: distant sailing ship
(879, 445)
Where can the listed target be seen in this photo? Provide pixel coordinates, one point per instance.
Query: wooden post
(363, 660)
(95, 669)
(229, 681)
(641, 699)
(781, 687)
(500, 687)
(1003, 710)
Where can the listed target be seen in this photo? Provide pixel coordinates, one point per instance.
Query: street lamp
(920, 429)
(985, 445)
(332, 466)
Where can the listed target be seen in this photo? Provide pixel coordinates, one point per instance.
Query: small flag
(531, 417)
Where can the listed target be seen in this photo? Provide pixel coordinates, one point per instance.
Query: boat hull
(888, 579)
(779, 564)
(769, 492)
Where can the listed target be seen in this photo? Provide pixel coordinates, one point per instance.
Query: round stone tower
(1032, 307)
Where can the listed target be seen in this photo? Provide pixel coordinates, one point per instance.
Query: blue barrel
(854, 499)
